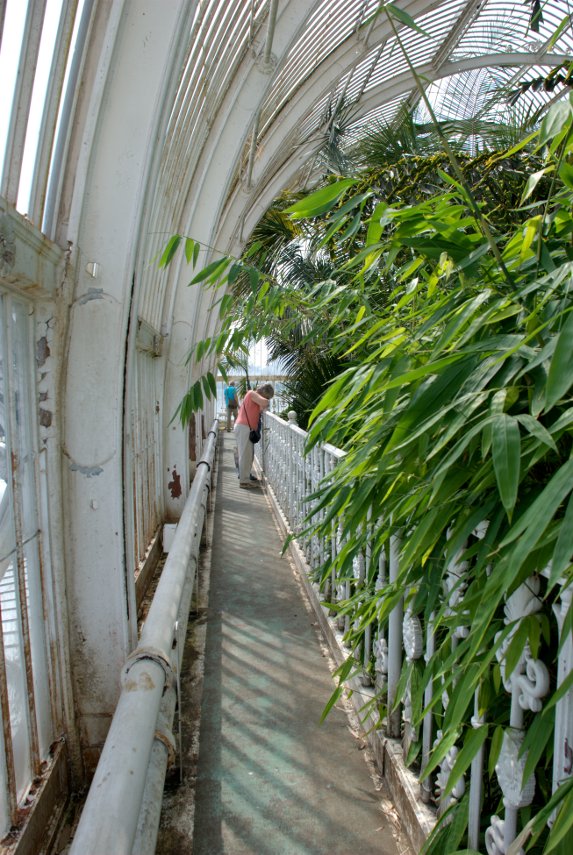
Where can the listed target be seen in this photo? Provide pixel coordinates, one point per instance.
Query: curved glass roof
(252, 87)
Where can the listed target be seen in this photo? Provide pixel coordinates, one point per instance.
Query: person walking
(232, 404)
(254, 403)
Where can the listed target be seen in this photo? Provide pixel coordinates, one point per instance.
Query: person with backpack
(232, 404)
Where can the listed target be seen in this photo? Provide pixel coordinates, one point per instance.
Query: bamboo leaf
(506, 455)
(560, 692)
(474, 740)
(562, 828)
(254, 277)
(169, 250)
(212, 384)
(320, 201)
(556, 120)
(563, 552)
(535, 520)
(404, 18)
(447, 741)
(560, 375)
(207, 389)
(344, 674)
(536, 429)
(495, 749)
(211, 272)
(190, 250)
(234, 273)
(515, 648)
(533, 181)
(539, 733)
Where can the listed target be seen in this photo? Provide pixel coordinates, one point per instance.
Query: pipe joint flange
(142, 653)
(167, 739)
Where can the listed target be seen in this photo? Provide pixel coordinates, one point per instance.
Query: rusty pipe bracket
(141, 653)
(168, 740)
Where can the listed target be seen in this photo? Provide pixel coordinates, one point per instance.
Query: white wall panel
(106, 213)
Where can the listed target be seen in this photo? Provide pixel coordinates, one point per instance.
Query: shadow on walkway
(270, 778)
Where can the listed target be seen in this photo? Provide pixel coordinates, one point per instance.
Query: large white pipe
(111, 813)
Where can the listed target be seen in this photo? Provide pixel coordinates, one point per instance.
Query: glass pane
(14, 399)
(41, 79)
(9, 58)
(7, 545)
(40, 670)
(24, 451)
(21, 595)
(16, 679)
(7, 536)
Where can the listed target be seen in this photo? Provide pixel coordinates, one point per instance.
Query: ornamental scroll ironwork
(413, 641)
(527, 683)
(380, 644)
(443, 777)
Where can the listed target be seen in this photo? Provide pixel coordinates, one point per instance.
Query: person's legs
(246, 451)
(228, 418)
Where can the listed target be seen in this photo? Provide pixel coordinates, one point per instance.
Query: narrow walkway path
(272, 780)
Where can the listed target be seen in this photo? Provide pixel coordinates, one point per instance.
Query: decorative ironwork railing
(510, 764)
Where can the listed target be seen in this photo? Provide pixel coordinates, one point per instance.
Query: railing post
(394, 725)
(427, 728)
(367, 651)
(527, 683)
(563, 745)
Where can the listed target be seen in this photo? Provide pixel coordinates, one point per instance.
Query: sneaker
(253, 478)
(247, 485)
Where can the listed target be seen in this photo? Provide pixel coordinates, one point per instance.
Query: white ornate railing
(405, 637)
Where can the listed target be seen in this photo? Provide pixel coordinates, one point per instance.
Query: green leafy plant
(453, 401)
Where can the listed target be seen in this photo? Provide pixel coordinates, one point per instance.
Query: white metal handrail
(293, 474)
(118, 805)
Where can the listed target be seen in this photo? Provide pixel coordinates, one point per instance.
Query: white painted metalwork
(111, 815)
(289, 471)
(27, 676)
(563, 758)
(121, 123)
(143, 442)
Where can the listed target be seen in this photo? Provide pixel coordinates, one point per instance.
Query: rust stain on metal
(7, 244)
(144, 682)
(42, 351)
(45, 418)
(175, 485)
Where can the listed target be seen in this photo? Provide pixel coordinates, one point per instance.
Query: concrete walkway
(272, 780)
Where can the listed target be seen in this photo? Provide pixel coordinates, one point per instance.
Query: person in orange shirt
(247, 420)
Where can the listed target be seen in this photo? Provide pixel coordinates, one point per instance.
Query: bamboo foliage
(455, 410)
